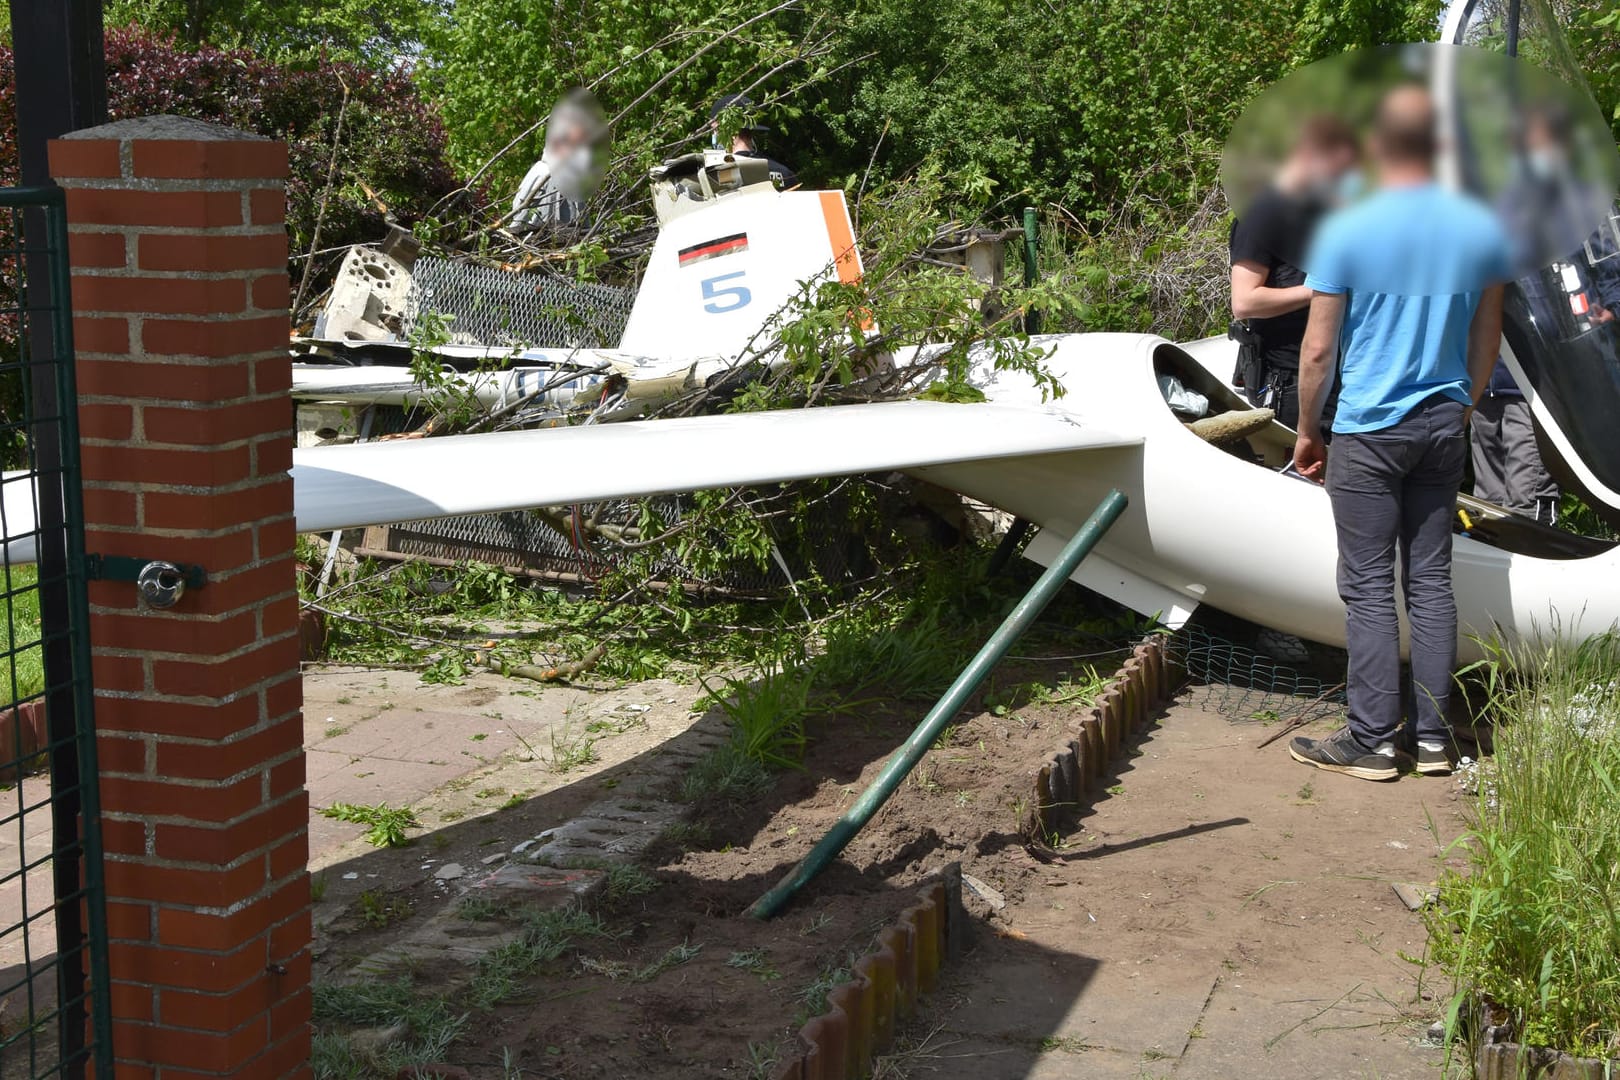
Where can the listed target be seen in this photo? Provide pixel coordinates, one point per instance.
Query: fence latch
(160, 583)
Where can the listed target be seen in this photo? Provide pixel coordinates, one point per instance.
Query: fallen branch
(560, 673)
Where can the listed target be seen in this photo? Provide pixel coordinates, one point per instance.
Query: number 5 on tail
(728, 298)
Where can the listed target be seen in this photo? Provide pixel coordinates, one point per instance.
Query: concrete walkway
(1227, 912)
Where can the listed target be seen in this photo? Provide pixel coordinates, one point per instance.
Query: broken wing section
(337, 487)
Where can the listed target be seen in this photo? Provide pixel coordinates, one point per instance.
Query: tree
(377, 33)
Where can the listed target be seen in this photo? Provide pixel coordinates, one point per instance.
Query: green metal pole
(906, 758)
(1032, 270)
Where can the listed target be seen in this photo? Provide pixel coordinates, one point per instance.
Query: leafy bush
(1534, 923)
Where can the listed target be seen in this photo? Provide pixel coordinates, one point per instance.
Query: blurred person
(745, 143)
(1539, 209)
(557, 187)
(1267, 245)
(1406, 287)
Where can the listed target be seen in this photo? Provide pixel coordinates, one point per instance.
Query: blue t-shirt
(1414, 261)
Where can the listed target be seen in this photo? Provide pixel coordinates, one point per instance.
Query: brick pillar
(179, 249)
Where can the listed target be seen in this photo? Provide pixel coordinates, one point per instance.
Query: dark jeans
(1394, 492)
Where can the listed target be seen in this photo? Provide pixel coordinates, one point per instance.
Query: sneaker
(1434, 762)
(1340, 752)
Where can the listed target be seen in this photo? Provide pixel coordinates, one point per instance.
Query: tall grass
(1534, 921)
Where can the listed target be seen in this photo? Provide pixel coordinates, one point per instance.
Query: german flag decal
(713, 249)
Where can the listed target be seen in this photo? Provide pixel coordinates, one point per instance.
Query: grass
(24, 674)
(427, 1025)
(725, 776)
(625, 881)
(546, 936)
(1534, 921)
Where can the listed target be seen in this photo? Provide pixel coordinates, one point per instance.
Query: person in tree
(745, 142)
(1408, 286)
(1267, 246)
(557, 187)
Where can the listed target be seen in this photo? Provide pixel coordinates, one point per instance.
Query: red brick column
(179, 248)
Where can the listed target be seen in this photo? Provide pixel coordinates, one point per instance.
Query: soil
(1206, 873)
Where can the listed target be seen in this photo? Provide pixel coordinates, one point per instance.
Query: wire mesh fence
(53, 972)
(488, 305)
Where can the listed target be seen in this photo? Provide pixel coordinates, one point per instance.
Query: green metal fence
(54, 1020)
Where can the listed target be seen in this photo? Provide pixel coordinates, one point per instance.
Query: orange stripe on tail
(844, 253)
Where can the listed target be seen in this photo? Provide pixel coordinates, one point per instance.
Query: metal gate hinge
(159, 582)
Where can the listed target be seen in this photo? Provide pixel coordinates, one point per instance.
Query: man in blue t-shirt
(1407, 285)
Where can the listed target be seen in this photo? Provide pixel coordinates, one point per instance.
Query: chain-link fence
(53, 942)
(1232, 673)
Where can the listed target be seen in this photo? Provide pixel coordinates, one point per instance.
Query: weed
(317, 888)
(816, 925)
(1116, 789)
(813, 998)
(1307, 792)
(673, 957)
(345, 701)
(476, 908)
(377, 910)
(570, 751)
(509, 1067)
(761, 1060)
(1065, 1044)
(754, 961)
(926, 778)
(386, 824)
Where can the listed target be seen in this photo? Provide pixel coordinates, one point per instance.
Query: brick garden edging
(1145, 682)
(864, 1013)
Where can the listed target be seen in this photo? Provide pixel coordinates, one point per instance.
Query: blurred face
(570, 137)
(1543, 149)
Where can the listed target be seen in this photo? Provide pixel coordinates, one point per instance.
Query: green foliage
(1534, 923)
(1595, 38)
(378, 33)
(1327, 27)
(387, 826)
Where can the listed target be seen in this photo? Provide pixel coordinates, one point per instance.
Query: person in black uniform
(1269, 299)
(745, 143)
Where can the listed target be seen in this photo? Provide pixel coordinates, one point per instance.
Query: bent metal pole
(905, 759)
